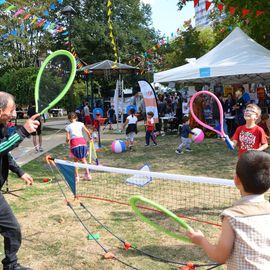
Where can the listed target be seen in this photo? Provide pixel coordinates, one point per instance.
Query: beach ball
(197, 135)
(118, 146)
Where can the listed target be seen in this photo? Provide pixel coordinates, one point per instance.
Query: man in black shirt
(9, 226)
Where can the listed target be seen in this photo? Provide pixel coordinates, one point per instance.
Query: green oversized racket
(159, 217)
(54, 79)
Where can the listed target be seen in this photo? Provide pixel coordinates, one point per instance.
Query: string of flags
(38, 22)
(109, 6)
(25, 15)
(231, 9)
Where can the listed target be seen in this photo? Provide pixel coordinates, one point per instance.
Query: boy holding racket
(250, 136)
(245, 236)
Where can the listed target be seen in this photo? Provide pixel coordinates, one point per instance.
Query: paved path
(26, 151)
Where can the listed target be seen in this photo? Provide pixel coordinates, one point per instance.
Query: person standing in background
(87, 116)
(38, 133)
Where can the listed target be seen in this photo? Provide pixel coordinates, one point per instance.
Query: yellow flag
(34, 20)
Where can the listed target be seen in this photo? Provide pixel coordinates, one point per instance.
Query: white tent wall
(237, 59)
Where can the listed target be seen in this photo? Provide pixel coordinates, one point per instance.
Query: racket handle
(229, 143)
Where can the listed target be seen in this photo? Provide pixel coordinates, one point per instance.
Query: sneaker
(146, 145)
(41, 149)
(17, 267)
(188, 150)
(179, 152)
(155, 144)
(36, 150)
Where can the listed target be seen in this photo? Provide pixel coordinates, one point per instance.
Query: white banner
(149, 98)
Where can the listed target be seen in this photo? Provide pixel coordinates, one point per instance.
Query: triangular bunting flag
(245, 12)
(40, 23)
(52, 26)
(46, 13)
(46, 25)
(13, 32)
(232, 10)
(207, 5)
(27, 16)
(109, 12)
(18, 12)
(69, 174)
(220, 7)
(53, 7)
(259, 13)
(10, 8)
(140, 180)
(196, 2)
(34, 20)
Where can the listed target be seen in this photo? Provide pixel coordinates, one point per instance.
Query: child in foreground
(250, 136)
(244, 240)
(186, 141)
(78, 145)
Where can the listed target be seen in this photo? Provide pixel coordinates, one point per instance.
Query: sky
(166, 17)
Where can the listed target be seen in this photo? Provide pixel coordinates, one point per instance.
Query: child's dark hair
(150, 113)
(253, 170)
(72, 115)
(132, 111)
(185, 119)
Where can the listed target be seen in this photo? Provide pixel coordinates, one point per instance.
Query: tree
(24, 40)
(255, 26)
(131, 28)
(191, 43)
(20, 83)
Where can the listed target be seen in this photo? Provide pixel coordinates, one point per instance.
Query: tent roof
(237, 59)
(108, 66)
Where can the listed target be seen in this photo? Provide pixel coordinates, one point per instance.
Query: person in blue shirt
(186, 141)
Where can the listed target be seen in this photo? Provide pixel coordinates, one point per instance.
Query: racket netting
(53, 80)
(161, 220)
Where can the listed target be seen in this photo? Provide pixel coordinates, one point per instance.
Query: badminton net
(195, 198)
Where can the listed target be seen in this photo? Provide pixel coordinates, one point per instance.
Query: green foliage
(20, 83)
(191, 43)
(90, 34)
(25, 47)
(256, 27)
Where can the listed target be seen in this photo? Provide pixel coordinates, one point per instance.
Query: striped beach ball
(118, 146)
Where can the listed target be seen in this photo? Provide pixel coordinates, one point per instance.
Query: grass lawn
(54, 239)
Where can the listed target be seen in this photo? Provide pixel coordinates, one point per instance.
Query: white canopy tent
(237, 59)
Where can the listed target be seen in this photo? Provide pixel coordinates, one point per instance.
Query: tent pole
(92, 93)
(122, 101)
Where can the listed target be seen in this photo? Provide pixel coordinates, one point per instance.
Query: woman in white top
(78, 145)
(131, 123)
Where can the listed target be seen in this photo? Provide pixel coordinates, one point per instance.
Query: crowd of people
(244, 225)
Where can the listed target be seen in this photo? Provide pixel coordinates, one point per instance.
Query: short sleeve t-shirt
(249, 138)
(132, 119)
(75, 130)
(86, 111)
(150, 124)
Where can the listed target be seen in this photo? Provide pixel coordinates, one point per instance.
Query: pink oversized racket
(221, 118)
